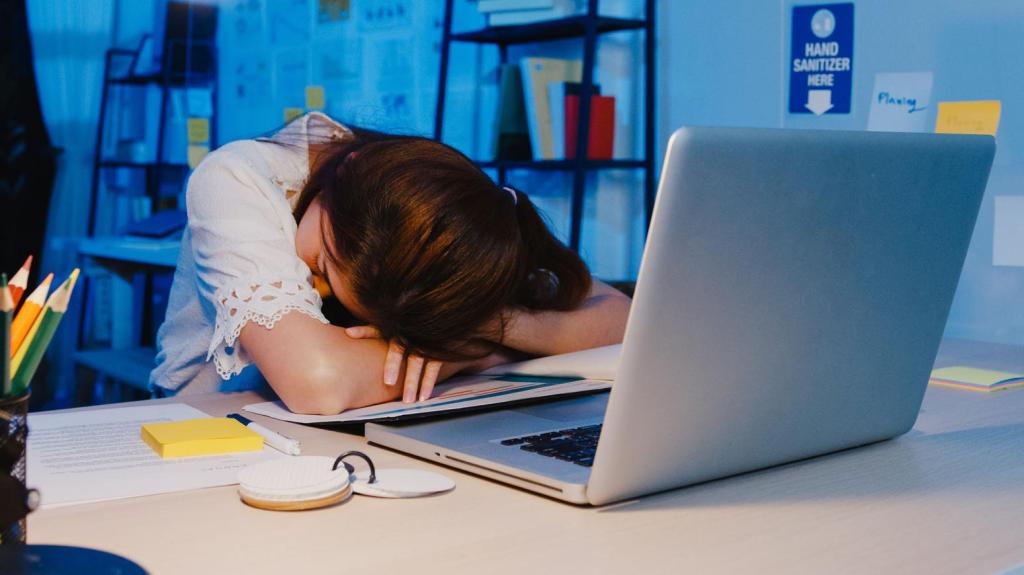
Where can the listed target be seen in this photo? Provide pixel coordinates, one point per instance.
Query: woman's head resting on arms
(416, 240)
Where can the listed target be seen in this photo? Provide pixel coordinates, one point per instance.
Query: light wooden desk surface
(948, 497)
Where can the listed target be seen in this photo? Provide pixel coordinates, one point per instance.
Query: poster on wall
(821, 59)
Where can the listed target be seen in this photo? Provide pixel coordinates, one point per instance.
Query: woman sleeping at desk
(440, 271)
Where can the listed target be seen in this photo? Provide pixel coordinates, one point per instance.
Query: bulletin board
(366, 58)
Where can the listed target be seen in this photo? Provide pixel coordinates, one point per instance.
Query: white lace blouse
(238, 262)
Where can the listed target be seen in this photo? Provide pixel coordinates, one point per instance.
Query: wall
(725, 64)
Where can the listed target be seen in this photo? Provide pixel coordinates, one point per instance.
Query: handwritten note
(981, 117)
(899, 102)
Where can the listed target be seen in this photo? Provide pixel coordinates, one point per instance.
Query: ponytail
(555, 276)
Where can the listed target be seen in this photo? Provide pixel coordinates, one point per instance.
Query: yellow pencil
(20, 281)
(6, 307)
(28, 314)
(26, 363)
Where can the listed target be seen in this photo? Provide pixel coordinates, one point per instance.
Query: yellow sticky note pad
(207, 436)
(315, 98)
(980, 117)
(198, 130)
(196, 155)
(976, 379)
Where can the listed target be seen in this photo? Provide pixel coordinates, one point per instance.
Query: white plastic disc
(401, 483)
(293, 479)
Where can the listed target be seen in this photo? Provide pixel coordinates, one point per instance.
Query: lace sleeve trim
(263, 303)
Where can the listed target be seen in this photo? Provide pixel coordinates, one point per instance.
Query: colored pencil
(20, 281)
(28, 314)
(6, 309)
(54, 310)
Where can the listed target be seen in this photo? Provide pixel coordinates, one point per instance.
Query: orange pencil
(20, 281)
(28, 313)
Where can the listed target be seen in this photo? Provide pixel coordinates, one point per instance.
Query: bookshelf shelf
(586, 27)
(173, 80)
(563, 164)
(129, 366)
(572, 27)
(140, 165)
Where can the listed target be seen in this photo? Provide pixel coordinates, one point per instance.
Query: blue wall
(725, 63)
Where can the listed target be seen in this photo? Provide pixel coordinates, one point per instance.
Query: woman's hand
(420, 373)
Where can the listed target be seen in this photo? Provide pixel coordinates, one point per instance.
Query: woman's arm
(600, 320)
(316, 368)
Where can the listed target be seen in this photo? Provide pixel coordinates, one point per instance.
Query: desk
(948, 497)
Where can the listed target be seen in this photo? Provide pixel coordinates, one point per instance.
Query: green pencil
(48, 320)
(6, 310)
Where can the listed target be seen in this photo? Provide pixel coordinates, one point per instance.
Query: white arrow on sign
(819, 101)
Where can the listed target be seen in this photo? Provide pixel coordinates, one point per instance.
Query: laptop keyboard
(576, 445)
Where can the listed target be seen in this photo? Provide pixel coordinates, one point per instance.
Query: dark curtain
(27, 161)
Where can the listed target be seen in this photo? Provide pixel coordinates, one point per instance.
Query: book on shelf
(557, 92)
(537, 74)
(511, 134)
(601, 135)
(559, 9)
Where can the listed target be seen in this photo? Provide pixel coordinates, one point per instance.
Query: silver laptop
(792, 295)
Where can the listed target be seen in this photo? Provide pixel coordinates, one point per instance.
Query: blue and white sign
(821, 59)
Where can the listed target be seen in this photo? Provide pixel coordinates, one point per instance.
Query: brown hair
(433, 248)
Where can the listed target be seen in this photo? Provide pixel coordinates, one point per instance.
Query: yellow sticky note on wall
(196, 155)
(981, 117)
(315, 98)
(198, 130)
(206, 436)
(292, 113)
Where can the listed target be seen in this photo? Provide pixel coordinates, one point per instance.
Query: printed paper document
(97, 455)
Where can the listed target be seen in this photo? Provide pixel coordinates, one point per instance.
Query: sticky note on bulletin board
(198, 130)
(315, 99)
(981, 117)
(196, 155)
(292, 113)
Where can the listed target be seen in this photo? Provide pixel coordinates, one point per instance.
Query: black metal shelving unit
(587, 27)
(165, 81)
(131, 365)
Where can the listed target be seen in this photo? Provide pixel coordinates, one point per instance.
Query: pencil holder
(13, 494)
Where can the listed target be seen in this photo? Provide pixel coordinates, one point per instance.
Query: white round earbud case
(309, 482)
(294, 483)
(401, 483)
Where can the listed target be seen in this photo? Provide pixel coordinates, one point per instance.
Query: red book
(601, 140)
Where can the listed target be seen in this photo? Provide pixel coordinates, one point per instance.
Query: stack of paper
(556, 376)
(974, 379)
